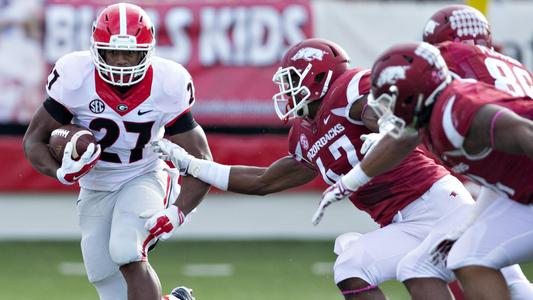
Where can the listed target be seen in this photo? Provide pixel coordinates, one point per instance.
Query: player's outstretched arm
(283, 174)
(35, 142)
(388, 153)
(500, 129)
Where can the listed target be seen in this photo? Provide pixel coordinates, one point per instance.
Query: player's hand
(170, 151)
(369, 142)
(72, 170)
(332, 194)
(162, 223)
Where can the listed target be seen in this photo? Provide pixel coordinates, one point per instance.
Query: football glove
(72, 170)
(369, 142)
(170, 151)
(332, 194)
(346, 185)
(163, 223)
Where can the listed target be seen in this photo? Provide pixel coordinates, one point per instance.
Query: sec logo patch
(97, 106)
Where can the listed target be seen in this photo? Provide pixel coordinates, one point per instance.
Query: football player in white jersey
(129, 199)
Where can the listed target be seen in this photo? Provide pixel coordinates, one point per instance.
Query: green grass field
(266, 270)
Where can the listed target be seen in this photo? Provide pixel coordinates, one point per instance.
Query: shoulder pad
(73, 68)
(176, 85)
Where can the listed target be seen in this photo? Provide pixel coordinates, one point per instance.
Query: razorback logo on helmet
(390, 75)
(469, 22)
(309, 54)
(431, 54)
(304, 141)
(430, 27)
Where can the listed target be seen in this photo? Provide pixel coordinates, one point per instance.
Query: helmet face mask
(306, 73)
(122, 27)
(384, 106)
(293, 97)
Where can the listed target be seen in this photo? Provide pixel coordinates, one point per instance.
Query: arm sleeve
(180, 124)
(60, 113)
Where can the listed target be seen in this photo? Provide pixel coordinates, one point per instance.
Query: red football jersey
(489, 66)
(331, 144)
(451, 119)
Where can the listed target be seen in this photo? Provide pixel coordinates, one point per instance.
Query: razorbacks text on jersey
(453, 113)
(489, 66)
(331, 144)
(122, 123)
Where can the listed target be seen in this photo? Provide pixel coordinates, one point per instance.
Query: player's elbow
(526, 139)
(27, 145)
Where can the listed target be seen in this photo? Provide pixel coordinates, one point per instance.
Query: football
(81, 138)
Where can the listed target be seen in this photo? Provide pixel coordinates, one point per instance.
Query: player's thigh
(129, 240)
(371, 257)
(418, 263)
(501, 236)
(95, 211)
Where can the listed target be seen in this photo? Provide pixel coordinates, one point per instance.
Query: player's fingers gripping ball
(162, 223)
(72, 170)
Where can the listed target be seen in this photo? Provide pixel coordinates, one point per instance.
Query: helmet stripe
(122, 17)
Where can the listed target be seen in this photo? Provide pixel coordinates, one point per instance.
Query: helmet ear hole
(408, 58)
(320, 77)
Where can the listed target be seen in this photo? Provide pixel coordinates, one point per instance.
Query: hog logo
(304, 141)
(309, 54)
(390, 75)
(430, 27)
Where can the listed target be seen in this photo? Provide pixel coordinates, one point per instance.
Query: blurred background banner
(231, 48)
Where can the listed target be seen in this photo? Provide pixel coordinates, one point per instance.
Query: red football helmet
(125, 27)
(458, 23)
(405, 81)
(307, 70)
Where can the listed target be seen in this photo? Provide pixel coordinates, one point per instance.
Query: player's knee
(124, 247)
(354, 267)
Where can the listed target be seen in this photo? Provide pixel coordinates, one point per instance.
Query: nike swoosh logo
(326, 119)
(140, 113)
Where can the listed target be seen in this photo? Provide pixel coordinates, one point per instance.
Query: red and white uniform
(452, 117)
(503, 234)
(331, 144)
(406, 202)
(489, 66)
(129, 178)
(122, 124)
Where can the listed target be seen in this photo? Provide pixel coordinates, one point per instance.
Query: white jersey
(123, 126)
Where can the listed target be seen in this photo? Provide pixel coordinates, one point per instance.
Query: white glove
(170, 151)
(162, 223)
(369, 142)
(334, 193)
(72, 170)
